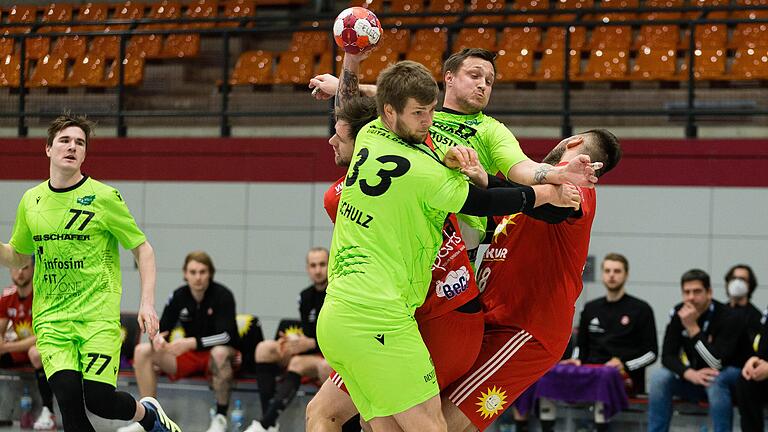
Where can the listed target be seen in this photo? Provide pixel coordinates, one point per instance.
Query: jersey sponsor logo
(338, 188)
(380, 338)
(12, 312)
(37, 200)
(355, 215)
(57, 264)
(86, 200)
(495, 254)
(452, 245)
(346, 258)
(594, 326)
(117, 195)
(491, 402)
(455, 283)
(461, 130)
(430, 376)
(61, 237)
(184, 314)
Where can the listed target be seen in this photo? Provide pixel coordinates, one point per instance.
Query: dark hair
(357, 112)
(751, 282)
(603, 147)
(68, 120)
(403, 80)
(202, 258)
(696, 275)
(617, 257)
(454, 62)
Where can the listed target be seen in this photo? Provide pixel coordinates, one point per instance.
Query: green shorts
(92, 348)
(382, 358)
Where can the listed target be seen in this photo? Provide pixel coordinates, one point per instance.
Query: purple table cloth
(573, 384)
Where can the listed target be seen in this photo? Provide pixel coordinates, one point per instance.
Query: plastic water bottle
(26, 410)
(237, 417)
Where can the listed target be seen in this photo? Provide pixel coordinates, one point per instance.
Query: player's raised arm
(145, 259)
(579, 171)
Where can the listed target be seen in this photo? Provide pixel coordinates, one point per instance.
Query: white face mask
(737, 288)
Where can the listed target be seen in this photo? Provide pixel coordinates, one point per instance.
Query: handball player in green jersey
(396, 196)
(72, 224)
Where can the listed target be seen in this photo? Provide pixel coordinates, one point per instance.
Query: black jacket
(211, 322)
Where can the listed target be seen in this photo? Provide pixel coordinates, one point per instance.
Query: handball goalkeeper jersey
(73, 234)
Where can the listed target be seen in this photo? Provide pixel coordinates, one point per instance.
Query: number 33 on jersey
(73, 234)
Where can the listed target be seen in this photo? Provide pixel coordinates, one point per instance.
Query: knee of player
(142, 351)
(267, 351)
(221, 354)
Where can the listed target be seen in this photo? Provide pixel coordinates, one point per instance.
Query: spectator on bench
(16, 310)
(740, 283)
(206, 311)
(752, 387)
(698, 353)
(297, 354)
(617, 330)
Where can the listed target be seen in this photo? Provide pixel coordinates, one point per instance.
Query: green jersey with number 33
(73, 235)
(389, 221)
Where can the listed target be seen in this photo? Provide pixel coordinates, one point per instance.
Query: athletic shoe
(162, 422)
(133, 427)
(218, 424)
(46, 421)
(257, 427)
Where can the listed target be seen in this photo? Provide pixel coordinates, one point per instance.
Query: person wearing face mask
(740, 283)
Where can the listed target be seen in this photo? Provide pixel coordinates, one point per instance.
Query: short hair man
(297, 354)
(16, 312)
(205, 309)
(72, 224)
(697, 356)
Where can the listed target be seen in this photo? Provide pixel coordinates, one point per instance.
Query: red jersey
(18, 311)
(453, 281)
(531, 274)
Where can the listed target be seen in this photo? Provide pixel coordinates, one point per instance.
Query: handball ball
(356, 30)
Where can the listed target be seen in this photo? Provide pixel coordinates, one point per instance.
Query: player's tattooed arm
(349, 87)
(540, 175)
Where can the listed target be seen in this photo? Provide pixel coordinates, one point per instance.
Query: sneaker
(46, 421)
(163, 423)
(218, 424)
(257, 427)
(133, 427)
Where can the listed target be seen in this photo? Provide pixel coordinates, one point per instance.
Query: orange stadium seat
(654, 64)
(708, 64)
(151, 45)
(48, 72)
(374, 5)
(431, 58)
(396, 40)
(514, 65)
(513, 38)
(613, 10)
(311, 41)
(36, 47)
(608, 37)
(430, 39)
(554, 38)
(444, 7)
(404, 7)
(606, 65)
(374, 64)
(476, 9)
(748, 34)
(551, 65)
(658, 36)
(10, 70)
(109, 46)
(65, 46)
(529, 6)
(480, 37)
(133, 71)
(750, 64)
(237, 9)
(294, 67)
(253, 67)
(328, 63)
(188, 44)
(87, 72)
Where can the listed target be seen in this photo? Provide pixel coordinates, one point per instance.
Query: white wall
(258, 234)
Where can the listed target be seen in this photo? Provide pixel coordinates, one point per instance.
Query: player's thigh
(100, 350)
(443, 334)
(330, 402)
(510, 361)
(58, 347)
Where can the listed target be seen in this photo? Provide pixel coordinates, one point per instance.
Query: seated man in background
(206, 311)
(20, 350)
(740, 283)
(698, 353)
(297, 354)
(617, 330)
(752, 387)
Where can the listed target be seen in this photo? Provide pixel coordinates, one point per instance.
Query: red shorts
(453, 340)
(191, 363)
(510, 361)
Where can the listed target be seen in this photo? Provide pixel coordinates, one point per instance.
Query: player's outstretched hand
(581, 171)
(323, 86)
(148, 322)
(567, 196)
(460, 157)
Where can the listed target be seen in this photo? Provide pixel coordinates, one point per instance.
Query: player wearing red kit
(530, 279)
